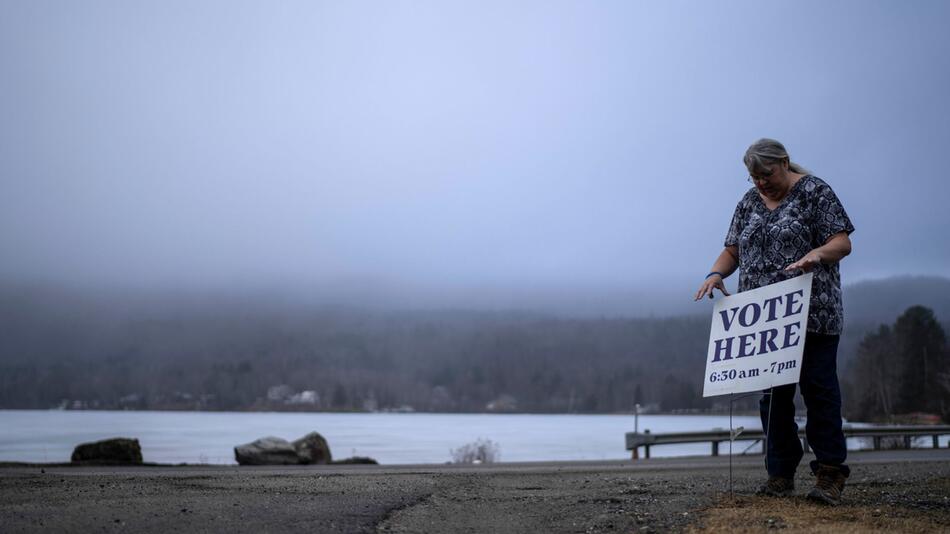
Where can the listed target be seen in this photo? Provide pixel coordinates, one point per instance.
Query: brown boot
(829, 485)
(777, 487)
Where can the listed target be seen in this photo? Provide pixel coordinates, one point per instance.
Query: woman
(788, 223)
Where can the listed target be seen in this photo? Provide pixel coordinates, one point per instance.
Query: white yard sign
(757, 338)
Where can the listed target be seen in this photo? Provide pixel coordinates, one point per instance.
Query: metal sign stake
(736, 432)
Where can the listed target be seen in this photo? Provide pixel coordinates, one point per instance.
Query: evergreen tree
(873, 385)
(922, 361)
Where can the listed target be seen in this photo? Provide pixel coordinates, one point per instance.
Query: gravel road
(654, 495)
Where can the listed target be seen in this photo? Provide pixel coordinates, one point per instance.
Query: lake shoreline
(206, 437)
(675, 413)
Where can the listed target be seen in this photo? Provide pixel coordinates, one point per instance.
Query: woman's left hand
(807, 263)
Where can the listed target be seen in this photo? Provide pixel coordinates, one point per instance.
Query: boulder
(109, 451)
(313, 449)
(356, 460)
(266, 451)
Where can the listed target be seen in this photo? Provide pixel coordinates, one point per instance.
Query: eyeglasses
(764, 178)
(765, 175)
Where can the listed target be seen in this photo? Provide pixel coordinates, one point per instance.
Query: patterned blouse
(769, 241)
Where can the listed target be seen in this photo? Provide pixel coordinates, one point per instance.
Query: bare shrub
(481, 451)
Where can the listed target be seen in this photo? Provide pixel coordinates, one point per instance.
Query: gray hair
(766, 152)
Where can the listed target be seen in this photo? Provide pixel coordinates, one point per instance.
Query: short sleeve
(736, 226)
(829, 217)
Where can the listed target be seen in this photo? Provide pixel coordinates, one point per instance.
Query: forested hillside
(67, 349)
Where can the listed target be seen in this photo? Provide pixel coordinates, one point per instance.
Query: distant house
(279, 393)
(504, 403)
(132, 401)
(308, 397)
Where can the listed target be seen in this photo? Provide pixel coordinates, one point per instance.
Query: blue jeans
(819, 385)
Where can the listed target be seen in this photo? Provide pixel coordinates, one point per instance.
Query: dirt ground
(894, 491)
(889, 498)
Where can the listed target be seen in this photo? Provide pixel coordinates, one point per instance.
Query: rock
(266, 451)
(109, 451)
(356, 460)
(310, 449)
(313, 449)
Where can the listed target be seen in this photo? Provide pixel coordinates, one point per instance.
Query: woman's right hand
(713, 282)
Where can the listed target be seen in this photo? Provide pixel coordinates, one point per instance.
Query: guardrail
(715, 437)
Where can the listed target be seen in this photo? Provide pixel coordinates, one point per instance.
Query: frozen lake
(390, 438)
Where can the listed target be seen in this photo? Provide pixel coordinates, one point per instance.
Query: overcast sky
(449, 146)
